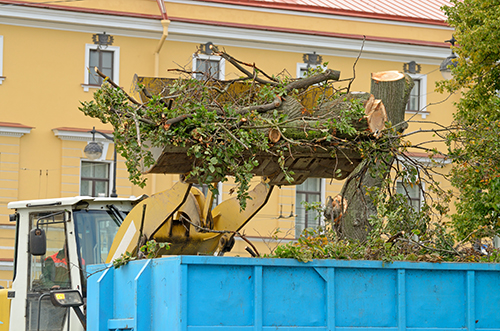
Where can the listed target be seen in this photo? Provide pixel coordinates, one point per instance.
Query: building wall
(42, 62)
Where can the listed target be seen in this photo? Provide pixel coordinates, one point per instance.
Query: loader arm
(181, 216)
(146, 217)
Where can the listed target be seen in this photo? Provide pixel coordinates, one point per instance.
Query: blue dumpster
(207, 293)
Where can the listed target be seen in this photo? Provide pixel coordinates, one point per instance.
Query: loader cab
(56, 239)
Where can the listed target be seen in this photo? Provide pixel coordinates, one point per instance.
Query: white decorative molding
(437, 161)
(116, 65)
(303, 43)
(223, 35)
(6, 266)
(1, 60)
(77, 135)
(13, 131)
(7, 226)
(87, 87)
(74, 135)
(81, 22)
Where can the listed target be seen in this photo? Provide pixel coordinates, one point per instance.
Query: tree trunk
(302, 127)
(393, 88)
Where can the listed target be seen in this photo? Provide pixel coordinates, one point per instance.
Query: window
(94, 179)
(418, 97)
(412, 194)
(48, 270)
(204, 189)
(208, 66)
(414, 102)
(302, 68)
(309, 191)
(107, 60)
(102, 60)
(96, 230)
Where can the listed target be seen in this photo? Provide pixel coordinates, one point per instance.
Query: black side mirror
(14, 217)
(38, 242)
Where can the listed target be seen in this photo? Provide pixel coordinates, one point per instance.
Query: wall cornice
(77, 134)
(14, 129)
(227, 34)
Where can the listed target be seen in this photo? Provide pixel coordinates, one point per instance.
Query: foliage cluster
(223, 132)
(399, 233)
(149, 250)
(474, 146)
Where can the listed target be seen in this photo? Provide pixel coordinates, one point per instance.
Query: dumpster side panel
(166, 296)
(124, 291)
(436, 298)
(141, 296)
(366, 297)
(220, 295)
(293, 297)
(100, 296)
(239, 294)
(487, 300)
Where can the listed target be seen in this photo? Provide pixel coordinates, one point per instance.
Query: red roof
(406, 10)
(15, 125)
(70, 129)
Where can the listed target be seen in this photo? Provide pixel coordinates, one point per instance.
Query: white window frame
(421, 190)
(219, 196)
(1, 60)
(423, 95)
(218, 200)
(105, 144)
(116, 65)
(322, 199)
(222, 63)
(102, 159)
(303, 66)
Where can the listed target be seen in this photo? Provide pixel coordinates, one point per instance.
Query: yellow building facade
(46, 49)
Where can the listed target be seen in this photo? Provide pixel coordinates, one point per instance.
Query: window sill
(2, 78)
(423, 113)
(86, 87)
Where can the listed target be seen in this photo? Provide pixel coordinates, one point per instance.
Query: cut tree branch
(103, 76)
(318, 78)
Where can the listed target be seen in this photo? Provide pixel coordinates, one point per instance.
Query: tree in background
(475, 145)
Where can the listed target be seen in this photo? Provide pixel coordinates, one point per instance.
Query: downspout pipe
(165, 22)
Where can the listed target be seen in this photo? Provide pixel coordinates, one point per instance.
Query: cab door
(47, 272)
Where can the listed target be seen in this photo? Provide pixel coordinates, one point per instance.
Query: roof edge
(291, 7)
(331, 11)
(15, 125)
(79, 9)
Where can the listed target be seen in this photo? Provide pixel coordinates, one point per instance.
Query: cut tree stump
(393, 89)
